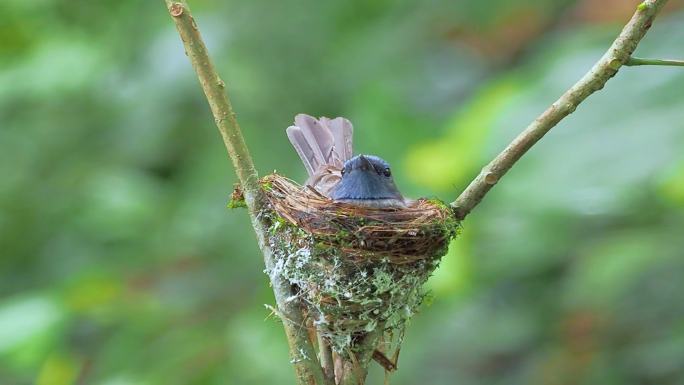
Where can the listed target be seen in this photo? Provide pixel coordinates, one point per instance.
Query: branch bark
(618, 54)
(302, 352)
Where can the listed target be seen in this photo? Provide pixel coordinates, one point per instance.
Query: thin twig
(617, 55)
(383, 361)
(302, 351)
(637, 61)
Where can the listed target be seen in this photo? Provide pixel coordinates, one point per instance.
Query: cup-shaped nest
(356, 268)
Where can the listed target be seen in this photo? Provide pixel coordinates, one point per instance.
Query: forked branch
(303, 353)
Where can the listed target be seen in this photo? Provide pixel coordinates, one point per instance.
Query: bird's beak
(365, 163)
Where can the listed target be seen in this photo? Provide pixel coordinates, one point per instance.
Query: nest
(357, 269)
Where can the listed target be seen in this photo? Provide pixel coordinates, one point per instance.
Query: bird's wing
(325, 179)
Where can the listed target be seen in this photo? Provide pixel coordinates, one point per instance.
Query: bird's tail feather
(321, 143)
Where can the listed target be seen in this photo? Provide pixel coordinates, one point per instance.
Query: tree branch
(301, 349)
(637, 61)
(617, 55)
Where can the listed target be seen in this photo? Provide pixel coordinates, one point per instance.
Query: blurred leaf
(24, 320)
(672, 185)
(92, 292)
(442, 164)
(58, 370)
(454, 274)
(606, 270)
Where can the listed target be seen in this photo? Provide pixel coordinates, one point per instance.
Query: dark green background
(120, 264)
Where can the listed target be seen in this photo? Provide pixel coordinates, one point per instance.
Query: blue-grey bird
(325, 147)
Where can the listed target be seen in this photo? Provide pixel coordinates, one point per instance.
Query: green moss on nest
(237, 198)
(236, 204)
(356, 269)
(347, 297)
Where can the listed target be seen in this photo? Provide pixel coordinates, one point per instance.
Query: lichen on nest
(355, 268)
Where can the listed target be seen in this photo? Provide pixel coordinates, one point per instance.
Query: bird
(325, 147)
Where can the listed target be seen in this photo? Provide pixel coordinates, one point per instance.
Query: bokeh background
(121, 265)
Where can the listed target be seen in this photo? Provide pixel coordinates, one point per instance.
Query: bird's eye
(342, 172)
(387, 172)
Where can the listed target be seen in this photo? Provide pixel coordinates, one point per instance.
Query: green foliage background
(119, 264)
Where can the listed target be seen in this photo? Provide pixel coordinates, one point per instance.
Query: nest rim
(422, 230)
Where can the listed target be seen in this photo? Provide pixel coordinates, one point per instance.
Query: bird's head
(364, 178)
